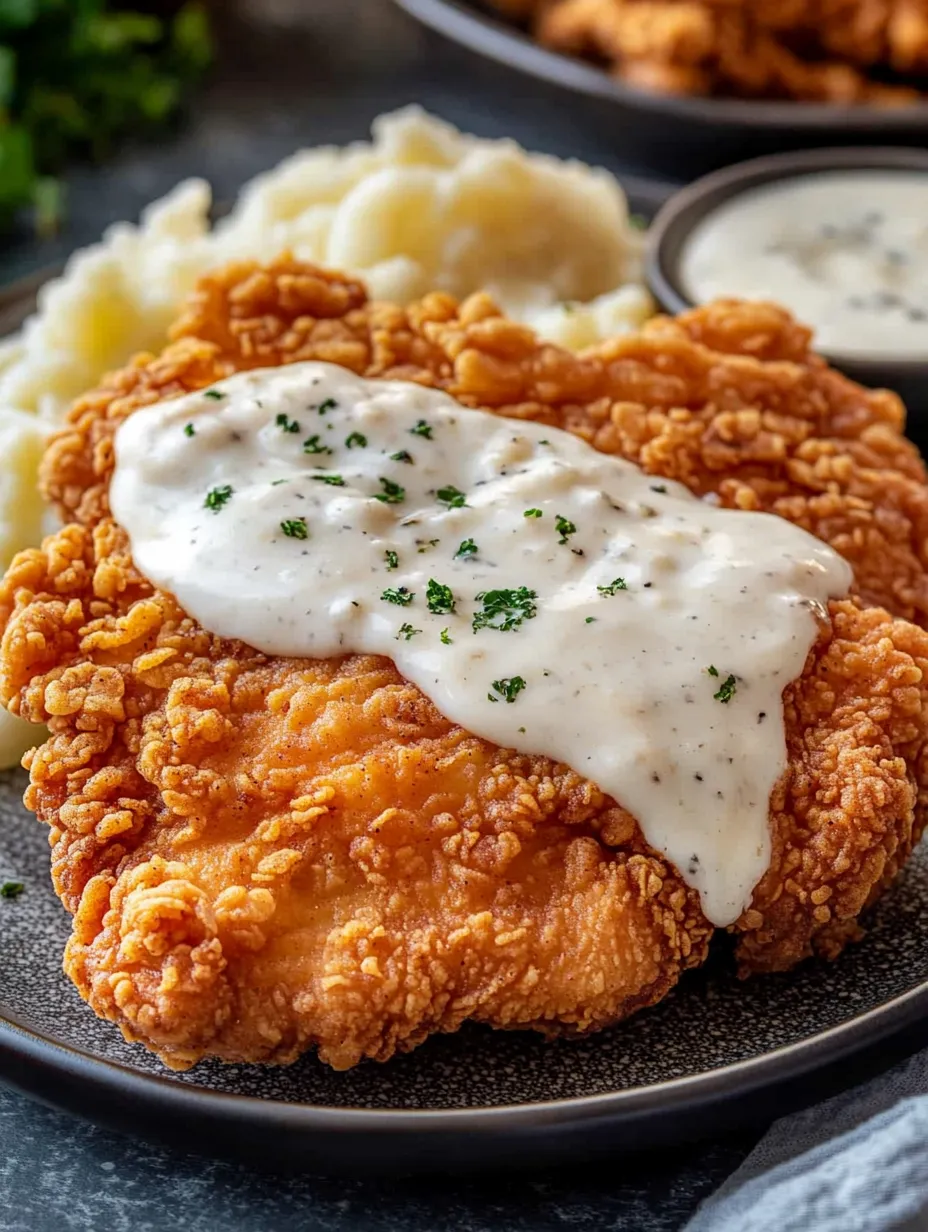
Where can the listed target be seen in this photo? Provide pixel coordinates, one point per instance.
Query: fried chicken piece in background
(817, 51)
(265, 855)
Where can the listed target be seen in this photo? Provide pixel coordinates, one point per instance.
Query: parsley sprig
(217, 497)
(614, 587)
(295, 528)
(402, 596)
(564, 527)
(505, 609)
(314, 445)
(392, 493)
(439, 598)
(727, 688)
(509, 687)
(451, 496)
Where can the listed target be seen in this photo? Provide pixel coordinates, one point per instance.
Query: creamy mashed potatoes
(420, 207)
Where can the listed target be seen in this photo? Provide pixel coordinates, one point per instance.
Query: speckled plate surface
(713, 1038)
(714, 1049)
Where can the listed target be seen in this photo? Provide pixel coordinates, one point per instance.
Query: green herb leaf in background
(78, 76)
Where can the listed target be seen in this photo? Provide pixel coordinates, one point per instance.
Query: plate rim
(498, 39)
(21, 1044)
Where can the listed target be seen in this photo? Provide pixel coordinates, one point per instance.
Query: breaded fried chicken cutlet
(835, 51)
(266, 853)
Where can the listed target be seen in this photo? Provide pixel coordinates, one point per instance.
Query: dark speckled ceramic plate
(478, 1095)
(713, 1050)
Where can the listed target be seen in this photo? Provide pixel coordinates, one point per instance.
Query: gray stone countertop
(297, 73)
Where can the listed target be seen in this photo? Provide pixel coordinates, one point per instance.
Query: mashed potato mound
(421, 207)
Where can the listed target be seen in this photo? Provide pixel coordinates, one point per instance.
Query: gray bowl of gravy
(837, 236)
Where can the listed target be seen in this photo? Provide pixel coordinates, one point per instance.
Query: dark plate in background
(716, 1051)
(678, 135)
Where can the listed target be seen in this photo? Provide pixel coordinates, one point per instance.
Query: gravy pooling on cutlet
(544, 596)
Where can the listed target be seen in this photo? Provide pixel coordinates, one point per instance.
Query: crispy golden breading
(727, 399)
(811, 50)
(264, 855)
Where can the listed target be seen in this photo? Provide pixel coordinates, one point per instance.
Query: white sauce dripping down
(846, 251)
(640, 594)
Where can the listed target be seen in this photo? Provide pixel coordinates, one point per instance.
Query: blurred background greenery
(78, 75)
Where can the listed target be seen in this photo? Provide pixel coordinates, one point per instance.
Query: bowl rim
(493, 36)
(679, 216)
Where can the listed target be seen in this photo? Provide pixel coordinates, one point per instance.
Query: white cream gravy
(846, 251)
(637, 609)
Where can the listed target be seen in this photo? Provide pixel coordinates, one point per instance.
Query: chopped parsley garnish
(505, 609)
(713, 671)
(424, 544)
(11, 889)
(407, 631)
(726, 690)
(533, 513)
(509, 687)
(658, 487)
(275, 482)
(422, 429)
(544, 442)
(295, 528)
(287, 424)
(217, 497)
(313, 446)
(452, 497)
(392, 559)
(445, 637)
(189, 430)
(392, 493)
(564, 528)
(400, 595)
(216, 394)
(590, 619)
(439, 598)
(334, 481)
(402, 455)
(356, 438)
(613, 588)
(466, 548)
(329, 405)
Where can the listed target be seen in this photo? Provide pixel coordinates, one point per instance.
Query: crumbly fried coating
(809, 50)
(264, 855)
(728, 399)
